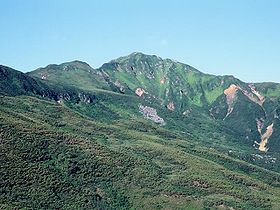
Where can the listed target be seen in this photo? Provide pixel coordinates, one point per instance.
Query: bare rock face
(254, 96)
(151, 113)
(264, 138)
(139, 92)
(171, 106)
(260, 99)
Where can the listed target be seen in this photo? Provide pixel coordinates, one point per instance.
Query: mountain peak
(137, 56)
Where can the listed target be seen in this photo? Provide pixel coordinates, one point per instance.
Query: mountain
(247, 109)
(138, 132)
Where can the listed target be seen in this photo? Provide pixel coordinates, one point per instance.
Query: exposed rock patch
(151, 113)
(252, 97)
(260, 97)
(230, 95)
(139, 92)
(119, 85)
(200, 184)
(84, 98)
(231, 90)
(162, 81)
(187, 112)
(171, 106)
(66, 68)
(266, 158)
(43, 76)
(264, 138)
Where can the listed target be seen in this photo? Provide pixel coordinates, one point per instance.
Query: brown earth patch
(264, 138)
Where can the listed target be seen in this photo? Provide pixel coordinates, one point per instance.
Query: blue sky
(237, 37)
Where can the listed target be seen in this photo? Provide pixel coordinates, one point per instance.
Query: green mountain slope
(190, 94)
(179, 87)
(77, 75)
(14, 82)
(138, 132)
(57, 158)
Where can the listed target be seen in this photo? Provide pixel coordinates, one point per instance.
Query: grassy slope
(71, 161)
(75, 74)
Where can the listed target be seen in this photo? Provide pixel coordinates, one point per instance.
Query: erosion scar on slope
(264, 138)
(230, 95)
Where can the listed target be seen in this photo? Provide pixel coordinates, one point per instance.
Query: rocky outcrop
(85, 98)
(78, 97)
(120, 86)
(151, 113)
